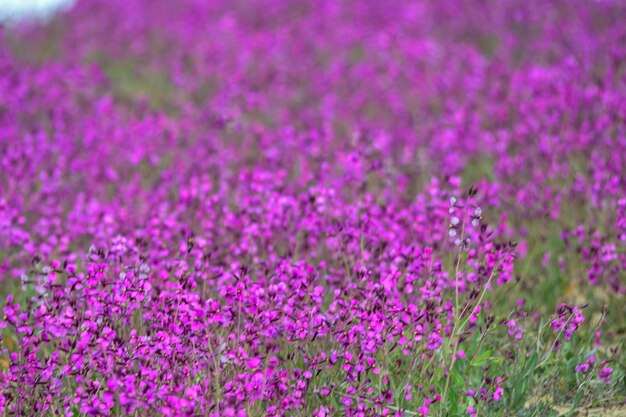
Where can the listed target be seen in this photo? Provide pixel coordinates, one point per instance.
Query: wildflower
(568, 320)
(584, 368)
(253, 363)
(433, 341)
(605, 374)
(407, 393)
(514, 330)
(497, 394)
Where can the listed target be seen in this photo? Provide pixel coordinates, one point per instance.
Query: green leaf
(481, 359)
(497, 360)
(457, 380)
(518, 392)
(453, 403)
(439, 374)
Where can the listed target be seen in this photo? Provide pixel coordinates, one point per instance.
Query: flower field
(314, 208)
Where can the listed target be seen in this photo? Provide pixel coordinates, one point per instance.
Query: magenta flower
(605, 374)
(226, 208)
(433, 341)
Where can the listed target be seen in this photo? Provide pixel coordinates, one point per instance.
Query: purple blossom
(211, 208)
(605, 374)
(433, 341)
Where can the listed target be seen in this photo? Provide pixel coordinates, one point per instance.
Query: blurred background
(12, 10)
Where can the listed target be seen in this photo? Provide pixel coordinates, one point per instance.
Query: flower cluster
(268, 207)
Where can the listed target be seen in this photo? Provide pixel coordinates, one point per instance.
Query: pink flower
(433, 341)
(253, 363)
(605, 374)
(497, 394)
